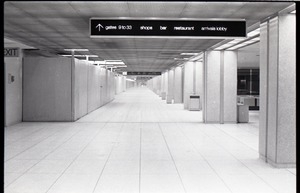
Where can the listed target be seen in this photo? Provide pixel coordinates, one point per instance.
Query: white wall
(120, 84)
(129, 84)
(13, 90)
(54, 90)
(47, 89)
(248, 57)
(93, 87)
(81, 88)
(103, 85)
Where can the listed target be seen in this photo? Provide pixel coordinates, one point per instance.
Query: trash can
(163, 95)
(169, 99)
(194, 102)
(242, 113)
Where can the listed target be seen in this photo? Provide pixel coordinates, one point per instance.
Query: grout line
(240, 161)
(108, 158)
(172, 158)
(140, 163)
(33, 145)
(203, 158)
(44, 157)
(25, 136)
(75, 158)
(200, 122)
(235, 138)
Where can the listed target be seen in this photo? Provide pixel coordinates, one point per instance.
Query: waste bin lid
(194, 96)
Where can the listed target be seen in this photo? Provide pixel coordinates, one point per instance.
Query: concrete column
(229, 90)
(158, 85)
(170, 95)
(166, 82)
(178, 85)
(124, 83)
(164, 86)
(188, 82)
(193, 76)
(154, 84)
(277, 123)
(220, 86)
(198, 79)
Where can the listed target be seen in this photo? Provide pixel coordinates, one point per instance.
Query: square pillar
(277, 123)
(188, 82)
(170, 95)
(193, 77)
(220, 87)
(178, 85)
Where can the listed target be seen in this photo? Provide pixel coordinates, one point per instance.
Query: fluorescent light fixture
(102, 62)
(189, 54)
(115, 63)
(293, 11)
(253, 33)
(113, 60)
(90, 56)
(198, 57)
(181, 58)
(130, 80)
(110, 65)
(79, 50)
(251, 41)
(228, 44)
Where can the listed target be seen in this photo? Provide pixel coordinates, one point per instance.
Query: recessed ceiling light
(293, 11)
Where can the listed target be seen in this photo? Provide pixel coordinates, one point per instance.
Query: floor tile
(74, 183)
(32, 183)
(138, 143)
(161, 183)
(118, 183)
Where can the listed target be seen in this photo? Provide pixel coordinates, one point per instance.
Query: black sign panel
(184, 28)
(143, 73)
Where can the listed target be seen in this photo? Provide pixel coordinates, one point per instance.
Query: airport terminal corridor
(140, 104)
(160, 148)
(149, 97)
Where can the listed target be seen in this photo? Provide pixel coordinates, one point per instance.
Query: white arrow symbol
(99, 26)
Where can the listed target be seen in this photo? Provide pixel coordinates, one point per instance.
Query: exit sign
(11, 52)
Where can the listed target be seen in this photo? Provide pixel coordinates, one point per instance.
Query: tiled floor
(138, 143)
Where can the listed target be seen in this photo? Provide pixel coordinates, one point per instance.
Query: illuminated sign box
(167, 28)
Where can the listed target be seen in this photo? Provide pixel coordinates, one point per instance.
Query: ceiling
(55, 26)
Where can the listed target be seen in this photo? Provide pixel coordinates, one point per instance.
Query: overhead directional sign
(144, 73)
(170, 28)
